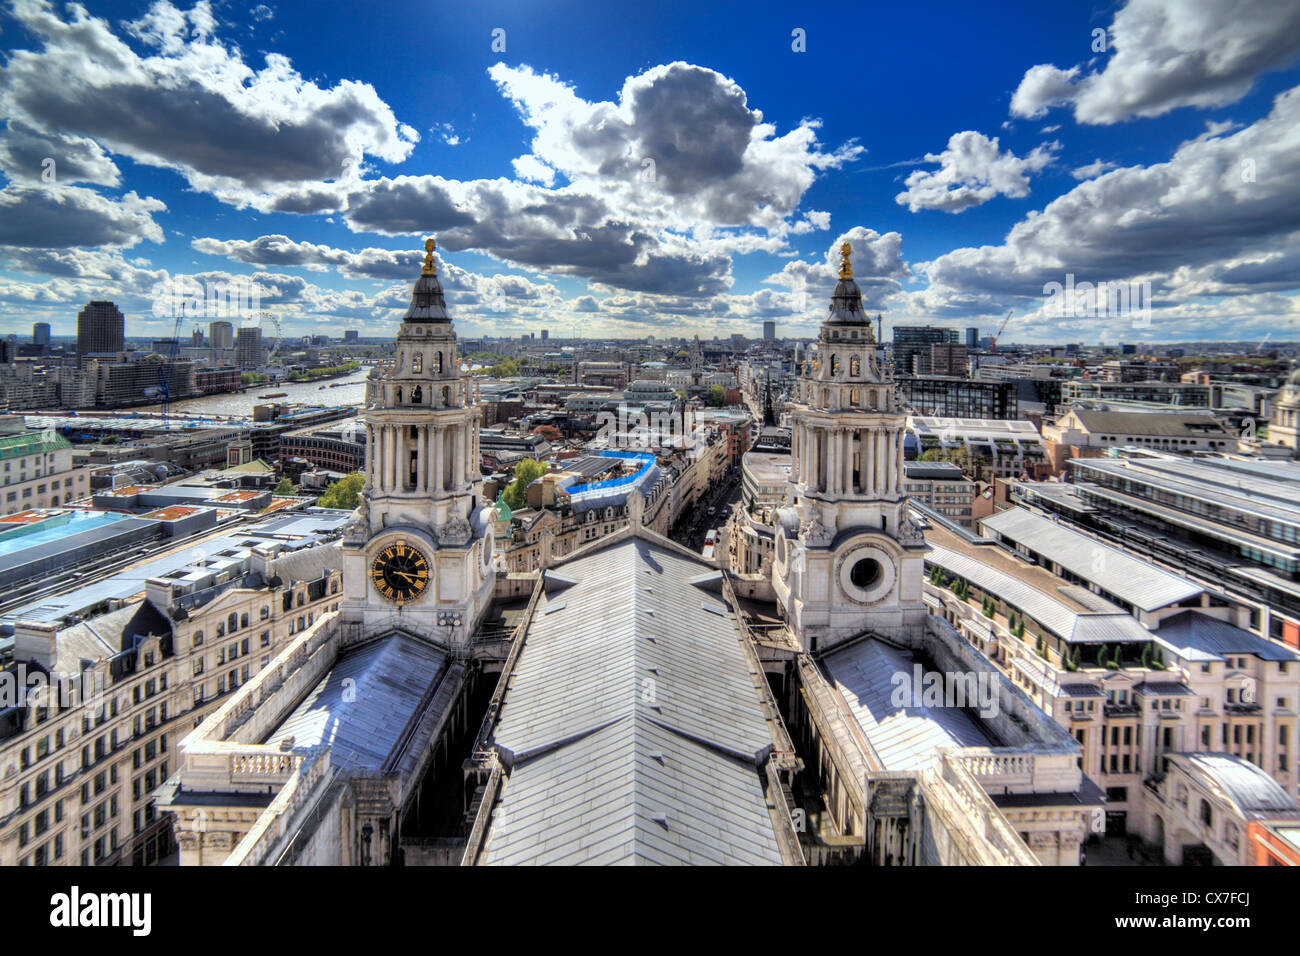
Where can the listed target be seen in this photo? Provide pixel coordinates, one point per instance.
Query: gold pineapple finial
(430, 269)
(846, 267)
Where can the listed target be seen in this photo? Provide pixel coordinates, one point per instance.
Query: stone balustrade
(260, 844)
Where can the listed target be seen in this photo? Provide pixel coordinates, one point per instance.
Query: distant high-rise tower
(972, 339)
(351, 335)
(769, 331)
(196, 339)
(249, 352)
(546, 334)
(41, 334)
(221, 335)
(848, 557)
(101, 327)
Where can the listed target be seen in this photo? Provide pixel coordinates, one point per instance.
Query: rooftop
(1195, 637)
(1247, 786)
(904, 738)
(1136, 581)
(633, 731)
(390, 676)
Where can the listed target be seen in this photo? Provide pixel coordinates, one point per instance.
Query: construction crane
(1003, 328)
(165, 370)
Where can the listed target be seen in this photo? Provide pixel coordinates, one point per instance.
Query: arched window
(417, 396)
(835, 365)
(399, 395)
(855, 366)
(243, 620)
(437, 362)
(417, 362)
(232, 623)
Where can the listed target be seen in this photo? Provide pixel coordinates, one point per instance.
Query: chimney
(35, 641)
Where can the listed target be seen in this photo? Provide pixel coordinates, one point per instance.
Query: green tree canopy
(526, 472)
(283, 487)
(344, 493)
(717, 395)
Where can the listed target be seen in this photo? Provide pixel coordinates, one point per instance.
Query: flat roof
(903, 737)
(299, 530)
(1137, 582)
(1265, 489)
(768, 468)
(1033, 589)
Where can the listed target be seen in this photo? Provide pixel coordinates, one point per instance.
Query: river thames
(345, 391)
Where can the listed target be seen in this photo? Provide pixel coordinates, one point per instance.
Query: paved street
(695, 524)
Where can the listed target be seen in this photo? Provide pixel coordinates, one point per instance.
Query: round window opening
(865, 573)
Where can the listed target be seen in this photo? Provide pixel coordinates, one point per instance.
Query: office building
(101, 330)
(221, 335)
(913, 340)
(249, 350)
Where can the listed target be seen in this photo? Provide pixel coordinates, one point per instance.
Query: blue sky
(666, 169)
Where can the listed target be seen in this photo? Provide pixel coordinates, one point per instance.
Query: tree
(283, 487)
(344, 494)
(526, 472)
(717, 395)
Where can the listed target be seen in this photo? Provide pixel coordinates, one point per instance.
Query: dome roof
(846, 300)
(427, 303)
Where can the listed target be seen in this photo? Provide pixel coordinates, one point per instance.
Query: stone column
(864, 466)
(810, 470)
(881, 471)
(898, 460)
(370, 456)
(422, 460)
(388, 457)
(846, 439)
(435, 459)
(832, 462)
(458, 458)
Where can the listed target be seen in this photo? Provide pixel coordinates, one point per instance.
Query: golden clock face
(400, 572)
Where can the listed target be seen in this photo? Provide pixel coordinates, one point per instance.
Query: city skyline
(661, 184)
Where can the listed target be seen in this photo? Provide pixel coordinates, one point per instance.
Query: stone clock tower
(848, 557)
(419, 553)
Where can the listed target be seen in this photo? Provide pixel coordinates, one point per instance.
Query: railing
(954, 780)
(994, 768)
(269, 829)
(250, 765)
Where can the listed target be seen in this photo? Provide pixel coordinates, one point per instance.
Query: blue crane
(165, 370)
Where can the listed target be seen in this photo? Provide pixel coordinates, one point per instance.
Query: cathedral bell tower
(848, 557)
(419, 552)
